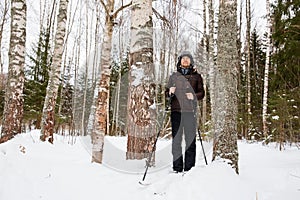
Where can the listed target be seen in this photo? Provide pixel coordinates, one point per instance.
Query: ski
(145, 183)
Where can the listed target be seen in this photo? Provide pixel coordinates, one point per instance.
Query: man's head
(185, 60)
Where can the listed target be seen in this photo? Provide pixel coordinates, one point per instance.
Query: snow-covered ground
(32, 170)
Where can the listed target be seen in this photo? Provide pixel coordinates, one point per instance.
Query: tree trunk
(102, 110)
(206, 66)
(101, 124)
(211, 63)
(13, 107)
(266, 76)
(225, 140)
(48, 118)
(141, 105)
(248, 69)
(241, 126)
(3, 20)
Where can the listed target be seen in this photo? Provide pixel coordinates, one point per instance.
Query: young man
(185, 87)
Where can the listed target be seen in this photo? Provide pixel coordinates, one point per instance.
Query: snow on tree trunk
(13, 108)
(48, 118)
(225, 140)
(141, 125)
(266, 75)
(102, 108)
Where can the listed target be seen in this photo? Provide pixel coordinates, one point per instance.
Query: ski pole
(202, 146)
(157, 136)
(194, 105)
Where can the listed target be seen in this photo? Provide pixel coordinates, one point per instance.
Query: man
(185, 87)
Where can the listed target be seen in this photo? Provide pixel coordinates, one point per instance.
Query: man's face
(185, 62)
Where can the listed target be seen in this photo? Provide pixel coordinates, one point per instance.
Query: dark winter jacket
(192, 82)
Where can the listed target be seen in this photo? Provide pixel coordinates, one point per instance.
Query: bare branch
(120, 9)
(105, 7)
(163, 18)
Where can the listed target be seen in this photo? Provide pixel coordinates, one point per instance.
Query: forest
(99, 68)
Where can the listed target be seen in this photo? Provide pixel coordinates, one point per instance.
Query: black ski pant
(183, 124)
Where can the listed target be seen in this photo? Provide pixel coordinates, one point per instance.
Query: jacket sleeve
(200, 89)
(171, 83)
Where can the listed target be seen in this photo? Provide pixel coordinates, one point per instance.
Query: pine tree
(284, 78)
(36, 80)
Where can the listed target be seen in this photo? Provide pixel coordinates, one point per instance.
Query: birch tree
(48, 117)
(225, 138)
(141, 105)
(13, 108)
(3, 20)
(266, 75)
(101, 125)
(211, 63)
(248, 66)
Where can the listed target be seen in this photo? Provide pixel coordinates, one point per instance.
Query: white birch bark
(205, 60)
(102, 109)
(266, 75)
(101, 124)
(48, 118)
(248, 68)
(211, 64)
(3, 20)
(141, 125)
(13, 107)
(225, 141)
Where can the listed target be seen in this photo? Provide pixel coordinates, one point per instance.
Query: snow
(31, 170)
(138, 74)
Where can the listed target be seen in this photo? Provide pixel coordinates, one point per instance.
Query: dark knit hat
(188, 54)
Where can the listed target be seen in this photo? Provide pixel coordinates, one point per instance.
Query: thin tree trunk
(248, 68)
(83, 129)
(239, 70)
(225, 141)
(101, 124)
(13, 107)
(266, 75)
(95, 72)
(102, 110)
(141, 124)
(3, 21)
(48, 118)
(205, 59)
(211, 63)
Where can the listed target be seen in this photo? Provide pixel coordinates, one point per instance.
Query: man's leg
(190, 140)
(177, 133)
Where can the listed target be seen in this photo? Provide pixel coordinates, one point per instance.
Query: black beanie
(188, 54)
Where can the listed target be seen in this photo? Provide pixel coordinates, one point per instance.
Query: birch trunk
(205, 60)
(211, 64)
(3, 21)
(266, 75)
(141, 105)
(101, 124)
(225, 141)
(248, 68)
(48, 118)
(13, 107)
(101, 114)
